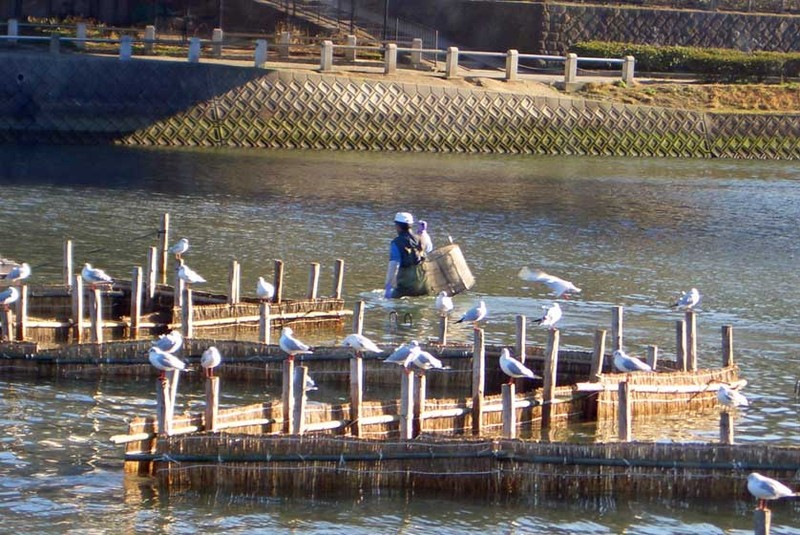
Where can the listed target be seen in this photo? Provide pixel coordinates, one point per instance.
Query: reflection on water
(634, 232)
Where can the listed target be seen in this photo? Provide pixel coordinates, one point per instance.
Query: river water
(632, 232)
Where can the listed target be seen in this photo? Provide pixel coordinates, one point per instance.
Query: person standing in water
(405, 274)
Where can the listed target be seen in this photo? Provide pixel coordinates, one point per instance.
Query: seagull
(401, 353)
(166, 362)
(730, 397)
(210, 359)
(170, 342)
(265, 290)
(8, 296)
(188, 275)
(687, 300)
(310, 384)
(765, 488)
(474, 314)
(558, 286)
(95, 276)
(551, 315)
(360, 343)
(179, 248)
(444, 303)
(623, 363)
(514, 368)
(292, 345)
(422, 361)
(18, 273)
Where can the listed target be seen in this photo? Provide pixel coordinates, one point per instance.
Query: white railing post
(216, 39)
(326, 60)
(571, 69)
(512, 65)
(350, 53)
(194, 50)
(627, 69)
(125, 48)
(390, 59)
(451, 63)
(286, 39)
(80, 33)
(261, 52)
(149, 37)
(416, 57)
(13, 31)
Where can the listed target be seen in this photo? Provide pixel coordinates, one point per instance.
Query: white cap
(404, 217)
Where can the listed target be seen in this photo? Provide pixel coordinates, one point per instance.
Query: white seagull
(360, 344)
(514, 368)
(474, 314)
(18, 273)
(443, 304)
(551, 315)
(265, 290)
(291, 345)
(625, 364)
(179, 248)
(401, 353)
(310, 384)
(730, 397)
(558, 286)
(210, 359)
(95, 275)
(170, 342)
(189, 276)
(687, 300)
(422, 361)
(765, 488)
(8, 296)
(166, 362)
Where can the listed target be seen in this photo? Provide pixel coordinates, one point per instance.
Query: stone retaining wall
(79, 99)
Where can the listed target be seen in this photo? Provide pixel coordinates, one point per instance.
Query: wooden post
(680, 345)
(234, 274)
(22, 313)
(173, 378)
(313, 280)
(264, 324)
(727, 346)
(67, 272)
(356, 394)
(407, 406)
(624, 411)
(163, 243)
(519, 347)
(418, 424)
(96, 315)
(358, 318)
(299, 387)
(152, 274)
(725, 428)
(598, 355)
(691, 340)
(187, 314)
(7, 322)
(443, 330)
(338, 278)
(164, 424)
(136, 302)
(762, 520)
(278, 282)
(478, 376)
(509, 413)
(652, 356)
(616, 328)
(77, 308)
(212, 403)
(288, 395)
(178, 290)
(550, 375)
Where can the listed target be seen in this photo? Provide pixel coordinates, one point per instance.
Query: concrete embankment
(90, 100)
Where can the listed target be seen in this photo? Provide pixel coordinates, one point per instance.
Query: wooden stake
(212, 403)
(163, 243)
(680, 345)
(278, 282)
(443, 320)
(96, 315)
(616, 328)
(288, 395)
(152, 274)
(358, 318)
(725, 427)
(22, 313)
(762, 520)
(7, 325)
(598, 355)
(418, 424)
(234, 275)
(67, 270)
(77, 308)
(509, 413)
(162, 407)
(407, 406)
(264, 324)
(727, 346)
(550, 375)
(519, 346)
(356, 394)
(299, 387)
(178, 289)
(136, 302)
(187, 314)
(478, 380)
(691, 340)
(313, 280)
(624, 412)
(173, 377)
(338, 278)
(652, 356)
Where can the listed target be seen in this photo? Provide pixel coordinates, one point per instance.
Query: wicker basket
(447, 270)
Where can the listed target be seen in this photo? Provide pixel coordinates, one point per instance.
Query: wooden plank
(418, 424)
(655, 389)
(624, 412)
(727, 346)
(691, 340)
(212, 404)
(680, 345)
(299, 388)
(77, 308)
(163, 244)
(616, 328)
(509, 413)
(478, 380)
(278, 281)
(407, 406)
(22, 314)
(519, 346)
(313, 280)
(67, 269)
(338, 278)
(550, 375)
(136, 302)
(288, 394)
(356, 394)
(96, 315)
(598, 354)
(652, 356)
(358, 317)
(264, 324)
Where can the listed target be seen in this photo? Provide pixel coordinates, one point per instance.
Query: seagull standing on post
(166, 362)
(401, 353)
(210, 359)
(360, 344)
(188, 275)
(170, 342)
(514, 368)
(687, 300)
(474, 314)
(95, 276)
(291, 345)
(625, 364)
(730, 397)
(8, 296)
(443, 304)
(179, 248)
(551, 315)
(264, 290)
(18, 273)
(765, 488)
